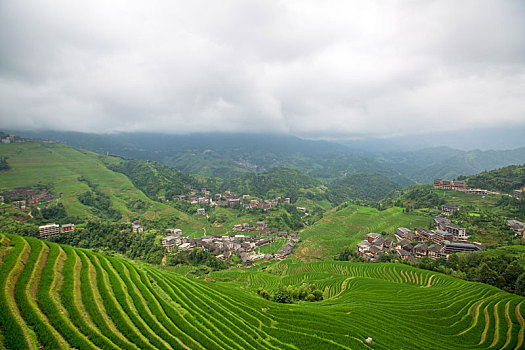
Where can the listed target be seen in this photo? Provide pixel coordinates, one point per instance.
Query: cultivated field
(61, 166)
(58, 297)
(346, 227)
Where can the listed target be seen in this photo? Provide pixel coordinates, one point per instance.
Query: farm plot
(58, 297)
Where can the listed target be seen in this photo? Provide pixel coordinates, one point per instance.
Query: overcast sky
(324, 69)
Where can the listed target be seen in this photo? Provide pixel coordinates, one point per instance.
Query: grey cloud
(323, 69)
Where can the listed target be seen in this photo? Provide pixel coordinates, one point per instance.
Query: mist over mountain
(228, 155)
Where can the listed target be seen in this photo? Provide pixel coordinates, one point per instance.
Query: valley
(110, 284)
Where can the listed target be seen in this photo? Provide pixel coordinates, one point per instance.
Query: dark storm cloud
(321, 69)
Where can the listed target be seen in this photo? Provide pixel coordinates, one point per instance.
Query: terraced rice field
(345, 228)
(58, 297)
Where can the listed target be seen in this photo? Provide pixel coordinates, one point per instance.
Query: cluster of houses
(446, 238)
(22, 197)
(54, 230)
(228, 199)
(263, 229)
(12, 138)
(224, 246)
(457, 186)
(517, 226)
(9, 139)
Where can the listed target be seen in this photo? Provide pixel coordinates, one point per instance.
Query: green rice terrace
(58, 297)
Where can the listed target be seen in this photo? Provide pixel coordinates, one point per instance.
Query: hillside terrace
(447, 238)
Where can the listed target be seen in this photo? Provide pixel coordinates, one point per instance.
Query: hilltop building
(449, 209)
(456, 247)
(136, 226)
(517, 226)
(450, 185)
(68, 228)
(48, 231)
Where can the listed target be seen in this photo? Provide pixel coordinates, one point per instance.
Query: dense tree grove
(3, 163)
(275, 182)
(363, 186)
(115, 237)
(500, 271)
(504, 179)
(416, 197)
(196, 257)
(154, 179)
(513, 206)
(290, 294)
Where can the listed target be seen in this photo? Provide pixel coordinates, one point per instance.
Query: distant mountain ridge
(425, 165)
(231, 155)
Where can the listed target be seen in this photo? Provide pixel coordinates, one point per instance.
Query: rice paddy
(58, 297)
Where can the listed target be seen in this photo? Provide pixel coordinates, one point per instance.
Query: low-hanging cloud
(319, 69)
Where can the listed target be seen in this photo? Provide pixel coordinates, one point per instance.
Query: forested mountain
(157, 180)
(362, 186)
(230, 155)
(275, 182)
(83, 186)
(504, 179)
(443, 162)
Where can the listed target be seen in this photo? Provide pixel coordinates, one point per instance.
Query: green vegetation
(273, 183)
(416, 197)
(496, 269)
(290, 294)
(273, 247)
(195, 257)
(154, 179)
(71, 173)
(3, 164)
(349, 225)
(60, 297)
(504, 179)
(362, 186)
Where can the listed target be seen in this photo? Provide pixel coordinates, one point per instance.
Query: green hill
(80, 177)
(58, 297)
(504, 179)
(372, 187)
(275, 182)
(344, 228)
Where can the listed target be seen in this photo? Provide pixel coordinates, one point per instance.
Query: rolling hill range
(447, 163)
(229, 155)
(59, 297)
(74, 172)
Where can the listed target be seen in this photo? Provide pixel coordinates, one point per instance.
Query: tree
(3, 163)
(511, 274)
(520, 285)
(486, 275)
(452, 261)
(282, 296)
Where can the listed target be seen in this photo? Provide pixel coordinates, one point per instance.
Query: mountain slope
(346, 225)
(230, 155)
(58, 297)
(504, 179)
(459, 163)
(372, 187)
(74, 173)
